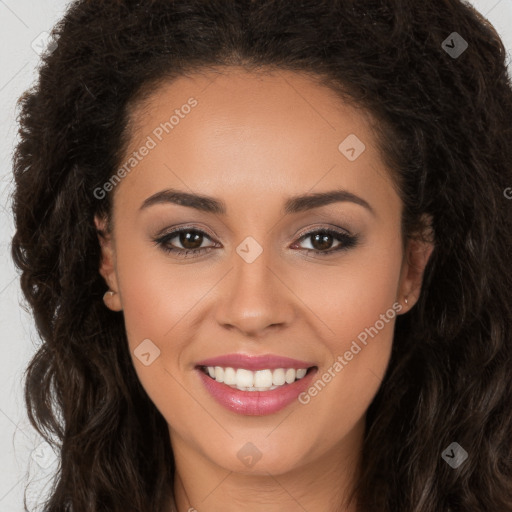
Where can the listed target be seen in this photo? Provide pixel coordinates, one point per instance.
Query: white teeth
(229, 376)
(290, 375)
(244, 378)
(260, 380)
(301, 373)
(219, 374)
(263, 379)
(278, 377)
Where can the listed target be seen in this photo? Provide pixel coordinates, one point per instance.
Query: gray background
(23, 459)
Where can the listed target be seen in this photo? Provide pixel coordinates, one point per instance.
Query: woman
(266, 245)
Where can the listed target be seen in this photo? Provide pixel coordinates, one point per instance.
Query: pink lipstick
(255, 385)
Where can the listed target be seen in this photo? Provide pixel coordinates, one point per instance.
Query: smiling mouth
(259, 380)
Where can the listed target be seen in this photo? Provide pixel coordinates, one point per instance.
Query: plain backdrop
(24, 459)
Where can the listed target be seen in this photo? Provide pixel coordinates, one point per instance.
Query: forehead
(237, 96)
(257, 133)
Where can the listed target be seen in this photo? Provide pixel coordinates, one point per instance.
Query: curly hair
(443, 126)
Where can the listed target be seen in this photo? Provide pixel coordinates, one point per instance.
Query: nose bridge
(254, 297)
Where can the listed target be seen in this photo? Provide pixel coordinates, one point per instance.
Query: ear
(108, 264)
(417, 254)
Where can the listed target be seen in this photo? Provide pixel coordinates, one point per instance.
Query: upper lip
(261, 362)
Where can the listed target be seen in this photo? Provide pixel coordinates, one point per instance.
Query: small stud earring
(110, 294)
(406, 300)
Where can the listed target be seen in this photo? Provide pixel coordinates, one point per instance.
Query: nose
(255, 298)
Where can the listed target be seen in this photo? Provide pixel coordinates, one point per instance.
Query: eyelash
(347, 241)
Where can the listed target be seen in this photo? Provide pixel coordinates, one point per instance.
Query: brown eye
(191, 239)
(321, 241)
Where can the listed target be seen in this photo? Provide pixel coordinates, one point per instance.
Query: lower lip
(256, 403)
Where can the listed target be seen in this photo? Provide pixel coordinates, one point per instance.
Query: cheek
(156, 293)
(157, 298)
(163, 302)
(359, 305)
(351, 294)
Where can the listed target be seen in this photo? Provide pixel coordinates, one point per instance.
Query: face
(287, 279)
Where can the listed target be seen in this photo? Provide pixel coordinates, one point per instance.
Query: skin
(253, 141)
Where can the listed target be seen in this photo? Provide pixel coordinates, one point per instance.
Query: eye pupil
(324, 239)
(191, 239)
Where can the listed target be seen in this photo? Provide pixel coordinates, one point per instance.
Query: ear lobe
(107, 268)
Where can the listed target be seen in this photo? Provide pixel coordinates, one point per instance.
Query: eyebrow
(294, 204)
